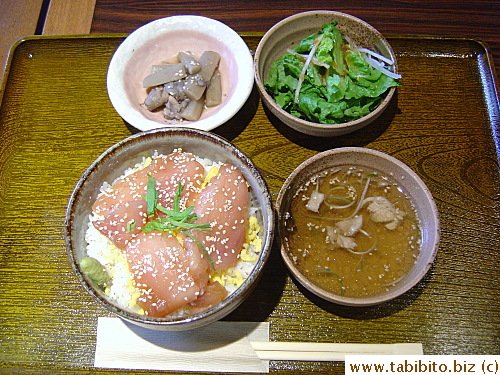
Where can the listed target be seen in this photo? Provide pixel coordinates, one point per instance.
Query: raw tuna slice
(214, 293)
(223, 203)
(124, 210)
(123, 222)
(177, 167)
(167, 275)
(126, 189)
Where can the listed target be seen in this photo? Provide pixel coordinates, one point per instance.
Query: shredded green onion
(331, 198)
(343, 199)
(328, 271)
(175, 219)
(131, 226)
(152, 196)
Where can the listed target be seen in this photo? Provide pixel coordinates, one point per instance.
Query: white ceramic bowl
(126, 153)
(162, 39)
(387, 165)
(288, 33)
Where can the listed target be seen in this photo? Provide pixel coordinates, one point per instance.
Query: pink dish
(161, 40)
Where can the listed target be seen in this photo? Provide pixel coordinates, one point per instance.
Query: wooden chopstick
(312, 351)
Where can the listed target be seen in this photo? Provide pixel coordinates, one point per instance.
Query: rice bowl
(130, 155)
(123, 291)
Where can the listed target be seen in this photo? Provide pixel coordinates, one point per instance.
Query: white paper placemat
(218, 347)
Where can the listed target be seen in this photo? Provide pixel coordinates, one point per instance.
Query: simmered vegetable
(188, 60)
(166, 73)
(214, 91)
(209, 61)
(186, 87)
(156, 98)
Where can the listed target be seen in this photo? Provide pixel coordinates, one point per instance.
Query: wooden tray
(55, 118)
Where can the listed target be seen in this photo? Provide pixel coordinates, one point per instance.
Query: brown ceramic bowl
(126, 153)
(161, 40)
(288, 33)
(376, 161)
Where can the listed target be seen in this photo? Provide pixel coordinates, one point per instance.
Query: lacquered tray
(55, 118)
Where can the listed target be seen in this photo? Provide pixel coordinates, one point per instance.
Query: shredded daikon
(316, 43)
(369, 56)
(379, 66)
(314, 60)
(376, 55)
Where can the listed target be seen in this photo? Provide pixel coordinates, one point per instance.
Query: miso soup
(352, 231)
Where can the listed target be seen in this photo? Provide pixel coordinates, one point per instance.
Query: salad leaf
(337, 86)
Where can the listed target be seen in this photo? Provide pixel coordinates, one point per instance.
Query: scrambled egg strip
(250, 253)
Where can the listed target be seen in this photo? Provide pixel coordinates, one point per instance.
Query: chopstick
(312, 351)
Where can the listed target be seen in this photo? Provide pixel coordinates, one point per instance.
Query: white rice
(122, 291)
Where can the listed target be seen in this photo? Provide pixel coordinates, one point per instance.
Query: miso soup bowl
(288, 33)
(161, 40)
(112, 164)
(376, 161)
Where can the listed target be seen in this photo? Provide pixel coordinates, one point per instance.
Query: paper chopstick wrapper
(218, 347)
(312, 351)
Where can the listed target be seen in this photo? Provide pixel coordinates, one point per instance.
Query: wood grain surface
(56, 118)
(65, 17)
(17, 19)
(473, 19)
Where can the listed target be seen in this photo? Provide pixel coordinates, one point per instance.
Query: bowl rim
(215, 29)
(314, 126)
(377, 298)
(231, 302)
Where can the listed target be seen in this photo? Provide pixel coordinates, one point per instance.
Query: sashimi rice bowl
(170, 228)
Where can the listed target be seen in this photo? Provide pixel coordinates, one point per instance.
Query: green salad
(327, 80)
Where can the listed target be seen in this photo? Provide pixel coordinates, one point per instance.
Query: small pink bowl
(161, 40)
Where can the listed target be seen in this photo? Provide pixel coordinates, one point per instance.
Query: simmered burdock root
(185, 88)
(164, 73)
(167, 275)
(213, 95)
(223, 203)
(123, 210)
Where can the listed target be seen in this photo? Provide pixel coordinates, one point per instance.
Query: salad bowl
(287, 36)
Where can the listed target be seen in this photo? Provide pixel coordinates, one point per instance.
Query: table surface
(470, 18)
(455, 310)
